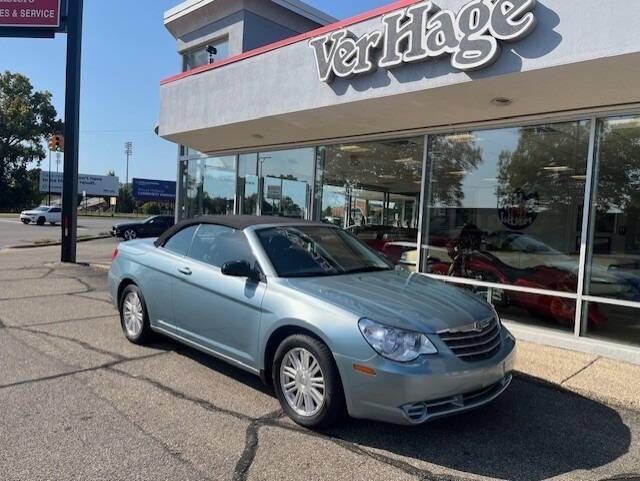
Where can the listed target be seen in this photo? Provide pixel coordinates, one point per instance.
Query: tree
(27, 119)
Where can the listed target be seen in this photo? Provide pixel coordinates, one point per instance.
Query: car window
(180, 243)
(56, 210)
(311, 251)
(217, 245)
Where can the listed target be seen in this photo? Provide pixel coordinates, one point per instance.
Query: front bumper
(432, 387)
(30, 218)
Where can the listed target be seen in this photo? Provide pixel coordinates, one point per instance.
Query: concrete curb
(56, 243)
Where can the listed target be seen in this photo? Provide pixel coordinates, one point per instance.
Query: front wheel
(133, 316)
(25, 221)
(307, 382)
(41, 221)
(130, 234)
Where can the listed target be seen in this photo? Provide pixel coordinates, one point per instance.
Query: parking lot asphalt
(80, 402)
(13, 232)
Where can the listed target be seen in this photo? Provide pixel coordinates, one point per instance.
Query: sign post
(71, 131)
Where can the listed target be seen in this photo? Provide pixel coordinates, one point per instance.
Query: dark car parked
(152, 227)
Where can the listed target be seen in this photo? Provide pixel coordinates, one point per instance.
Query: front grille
(474, 343)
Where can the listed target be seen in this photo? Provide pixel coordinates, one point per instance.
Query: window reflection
(614, 268)
(208, 186)
(372, 189)
(282, 181)
(505, 207)
(613, 323)
(535, 309)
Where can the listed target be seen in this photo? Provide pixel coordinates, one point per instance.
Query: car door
(161, 270)
(219, 312)
(55, 215)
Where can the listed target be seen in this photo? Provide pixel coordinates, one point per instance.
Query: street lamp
(128, 150)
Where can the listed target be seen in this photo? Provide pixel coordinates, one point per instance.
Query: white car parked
(42, 215)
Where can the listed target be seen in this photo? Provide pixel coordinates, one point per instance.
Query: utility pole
(49, 201)
(128, 150)
(72, 131)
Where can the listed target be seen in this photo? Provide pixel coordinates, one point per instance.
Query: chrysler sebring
(323, 317)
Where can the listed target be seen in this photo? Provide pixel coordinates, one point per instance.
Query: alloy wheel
(133, 314)
(130, 234)
(302, 382)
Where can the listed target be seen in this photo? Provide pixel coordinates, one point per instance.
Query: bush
(151, 208)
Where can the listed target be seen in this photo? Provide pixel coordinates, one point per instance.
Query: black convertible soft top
(239, 222)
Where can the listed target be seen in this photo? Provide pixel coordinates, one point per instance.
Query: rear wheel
(41, 220)
(130, 234)
(133, 316)
(307, 382)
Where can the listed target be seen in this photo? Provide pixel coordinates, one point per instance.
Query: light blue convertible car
(308, 307)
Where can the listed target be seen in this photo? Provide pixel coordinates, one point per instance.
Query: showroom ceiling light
(407, 161)
(559, 168)
(353, 148)
(461, 138)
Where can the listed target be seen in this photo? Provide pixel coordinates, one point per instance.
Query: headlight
(395, 344)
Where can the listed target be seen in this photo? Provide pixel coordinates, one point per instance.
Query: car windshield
(42, 209)
(317, 251)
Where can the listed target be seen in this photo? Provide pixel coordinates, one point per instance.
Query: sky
(126, 52)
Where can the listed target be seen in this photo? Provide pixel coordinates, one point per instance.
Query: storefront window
(613, 269)
(282, 180)
(505, 207)
(613, 323)
(208, 186)
(373, 190)
(535, 309)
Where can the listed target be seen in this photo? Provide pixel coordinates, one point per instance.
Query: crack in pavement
(108, 365)
(177, 455)
(80, 343)
(579, 371)
(241, 471)
(55, 323)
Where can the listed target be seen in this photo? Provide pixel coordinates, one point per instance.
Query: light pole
(128, 150)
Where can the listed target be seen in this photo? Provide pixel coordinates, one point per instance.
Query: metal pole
(49, 202)
(71, 131)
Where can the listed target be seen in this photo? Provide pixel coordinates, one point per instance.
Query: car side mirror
(240, 269)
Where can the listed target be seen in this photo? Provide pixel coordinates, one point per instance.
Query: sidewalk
(605, 380)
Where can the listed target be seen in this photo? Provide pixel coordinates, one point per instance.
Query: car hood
(125, 225)
(398, 298)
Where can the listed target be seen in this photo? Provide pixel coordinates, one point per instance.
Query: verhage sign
(30, 13)
(472, 38)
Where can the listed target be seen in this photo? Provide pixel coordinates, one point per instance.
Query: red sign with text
(30, 13)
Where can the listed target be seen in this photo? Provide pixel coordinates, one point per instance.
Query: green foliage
(27, 119)
(151, 208)
(126, 202)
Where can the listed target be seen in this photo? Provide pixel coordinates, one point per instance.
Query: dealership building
(493, 144)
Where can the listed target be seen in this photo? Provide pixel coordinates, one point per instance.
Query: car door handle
(185, 270)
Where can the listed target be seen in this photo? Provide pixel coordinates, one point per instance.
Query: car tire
(134, 318)
(25, 221)
(41, 221)
(52, 223)
(313, 412)
(130, 234)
